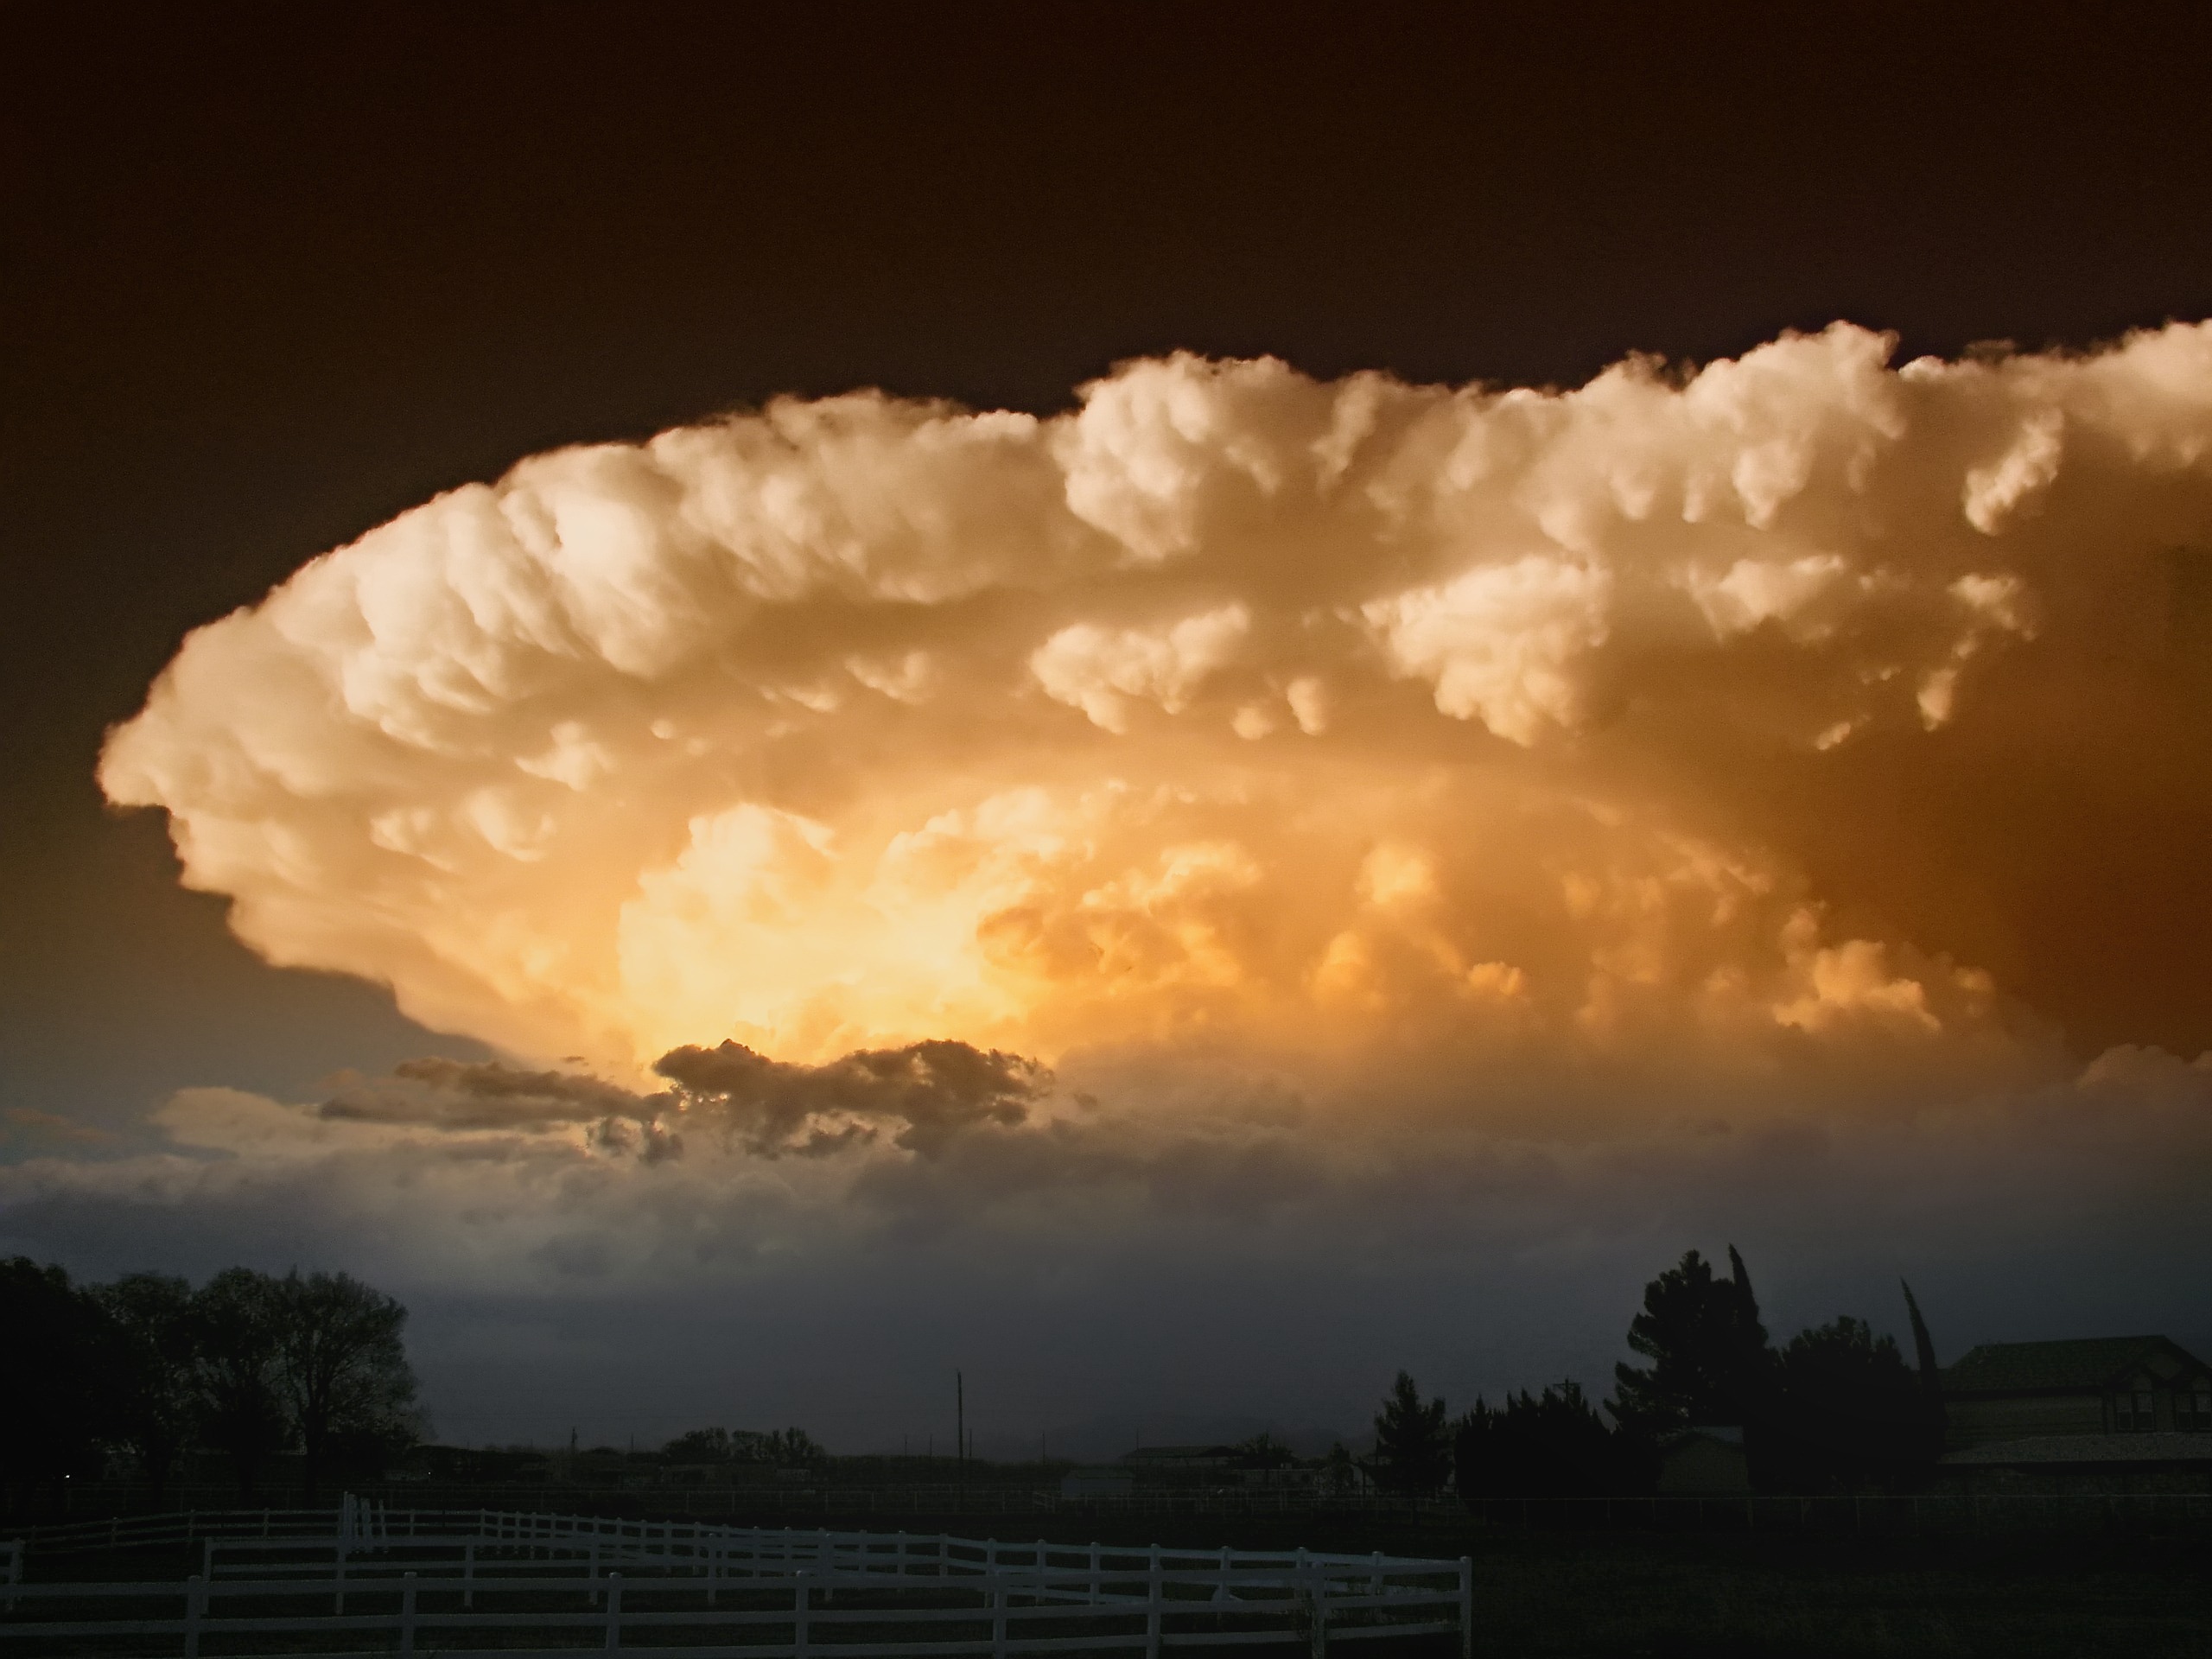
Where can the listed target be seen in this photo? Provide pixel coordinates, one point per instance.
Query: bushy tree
(703, 1445)
(157, 1397)
(1846, 1409)
(1710, 1361)
(58, 1368)
(1551, 1444)
(1412, 1447)
(1851, 1414)
(341, 1371)
(790, 1448)
(233, 1320)
(1263, 1451)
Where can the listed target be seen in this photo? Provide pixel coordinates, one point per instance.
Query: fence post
(1152, 1607)
(1467, 1607)
(1221, 1590)
(1321, 1614)
(407, 1614)
(799, 1613)
(614, 1613)
(195, 1590)
(207, 1560)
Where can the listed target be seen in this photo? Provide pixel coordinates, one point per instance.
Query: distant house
(1096, 1483)
(2011, 1391)
(1166, 1457)
(1706, 1462)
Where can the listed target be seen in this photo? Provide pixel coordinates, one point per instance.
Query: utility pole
(960, 1432)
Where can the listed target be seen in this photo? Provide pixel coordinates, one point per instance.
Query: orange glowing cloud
(1531, 729)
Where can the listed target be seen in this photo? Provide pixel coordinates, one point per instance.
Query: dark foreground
(1732, 1596)
(1710, 1595)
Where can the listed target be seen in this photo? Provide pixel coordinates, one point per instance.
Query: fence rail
(765, 1500)
(757, 1593)
(1876, 1513)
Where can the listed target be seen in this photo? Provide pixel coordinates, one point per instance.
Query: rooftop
(2085, 1363)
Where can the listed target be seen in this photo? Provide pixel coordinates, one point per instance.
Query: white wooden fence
(470, 1580)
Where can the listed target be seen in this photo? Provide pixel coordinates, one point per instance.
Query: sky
(1174, 707)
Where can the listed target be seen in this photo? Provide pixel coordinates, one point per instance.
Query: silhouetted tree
(1263, 1451)
(790, 1448)
(157, 1403)
(1413, 1448)
(1933, 1424)
(1847, 1413)
(341, 1370)
(57, 1373)
(234, 1322)
(708, 1445)
(1850, 1414)
(1710, 1361)
(1552, 1445)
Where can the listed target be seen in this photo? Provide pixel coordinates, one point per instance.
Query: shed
(1705, 1462)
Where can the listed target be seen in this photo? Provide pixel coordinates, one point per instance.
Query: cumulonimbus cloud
(1687, 718)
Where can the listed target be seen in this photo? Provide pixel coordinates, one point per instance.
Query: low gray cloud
(919, 1097)
(930, 1091)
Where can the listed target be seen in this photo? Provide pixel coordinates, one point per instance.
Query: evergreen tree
(1413, 1448)
(1933, 1425)
(1710, 1361)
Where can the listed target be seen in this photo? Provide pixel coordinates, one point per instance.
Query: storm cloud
(1299, 824)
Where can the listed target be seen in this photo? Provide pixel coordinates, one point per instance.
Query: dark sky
(272, 275)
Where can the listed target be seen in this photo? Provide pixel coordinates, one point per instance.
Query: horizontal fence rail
(768, 1500)
(474, 1580)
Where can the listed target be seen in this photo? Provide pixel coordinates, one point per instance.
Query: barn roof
(2085, 1363)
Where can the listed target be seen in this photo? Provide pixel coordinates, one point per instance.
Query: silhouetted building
(1707, 1462)
(2011, 1391)
(1181, 1466)
(1096, 1483)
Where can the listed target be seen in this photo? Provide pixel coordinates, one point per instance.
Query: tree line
(249, 1365)
(781, 1448)
(1835, 1409)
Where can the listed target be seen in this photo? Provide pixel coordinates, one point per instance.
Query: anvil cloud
(1501, 733)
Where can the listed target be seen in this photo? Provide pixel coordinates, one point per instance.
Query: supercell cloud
(1372, 801)
(1297, 717)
